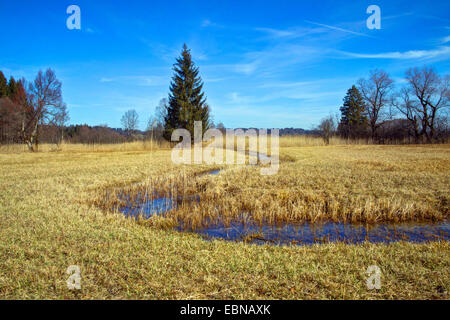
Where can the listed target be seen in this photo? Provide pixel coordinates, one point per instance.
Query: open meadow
(59, 207)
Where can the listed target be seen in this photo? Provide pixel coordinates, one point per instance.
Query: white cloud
(412, 54)
(277, 33)
(445, 39)
(339, 29)
(246, 68)
(106, 79)
(291, 33)
(206, 23)
(139, 80)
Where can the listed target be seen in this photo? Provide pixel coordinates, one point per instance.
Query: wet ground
(301, 233)
(307, 233)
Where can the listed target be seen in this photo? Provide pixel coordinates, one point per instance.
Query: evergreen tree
(353, 122)
(4, 90)
(186, 99)
(12, 87)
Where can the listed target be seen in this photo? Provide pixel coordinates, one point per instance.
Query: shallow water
(304, 233)
(307, 233)
(212, 172)
(158, 206)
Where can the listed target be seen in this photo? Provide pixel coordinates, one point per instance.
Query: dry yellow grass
(354, 184)
(49, 220)
(146, 145)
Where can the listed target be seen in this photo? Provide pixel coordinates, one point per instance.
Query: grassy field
(357, 184)
(53, 214)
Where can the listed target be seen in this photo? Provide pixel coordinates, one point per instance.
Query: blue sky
(264, 63)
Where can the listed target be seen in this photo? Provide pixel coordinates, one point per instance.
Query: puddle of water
(305, 233)
(212, 172)
(308, 233)
(259, 156)
(149, 208)
(157, 206)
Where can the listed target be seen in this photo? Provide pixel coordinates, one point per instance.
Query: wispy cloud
(276, 59)
(206, 23)
(339, 29)
(265, 62)
(91, 30)
(138, 80)
(306, 90)
(445, 39)
(434, 18)
(246, 68)
(398, 16)
(295, 32)
(277, 33)
(440, 52)
(300, 91)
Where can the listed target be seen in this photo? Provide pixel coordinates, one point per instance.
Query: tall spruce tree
(187, 102)
(12, 87)
(4, 90)
(353, 122)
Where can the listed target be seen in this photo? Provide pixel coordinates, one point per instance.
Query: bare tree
(152, 124)
(403, 103)
(161, 111)
(442, 126)
(220, 126)
(327, 128)
(422, 100)
(130, 121)
(155, 123)
(376, 93)
(60, 121)
(45, 101)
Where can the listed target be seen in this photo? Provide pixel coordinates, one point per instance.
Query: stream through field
(300, 233)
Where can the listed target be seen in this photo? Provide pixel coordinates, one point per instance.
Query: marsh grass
(360, 184)
(146, 145)
(51, 217)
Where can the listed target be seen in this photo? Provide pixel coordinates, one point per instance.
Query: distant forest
(104, 134)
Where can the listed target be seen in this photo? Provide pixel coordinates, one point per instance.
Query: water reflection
(304, 233)
(307, 233)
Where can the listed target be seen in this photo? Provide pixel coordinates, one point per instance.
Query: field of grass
(357, 184)
(53, 214)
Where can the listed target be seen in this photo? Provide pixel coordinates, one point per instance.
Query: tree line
(26, 107)
(374, 109)
(30, 112)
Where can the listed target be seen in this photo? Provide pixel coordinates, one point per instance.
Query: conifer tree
(4, 90)
(12, 87)
(187, 102)
(353, 122)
